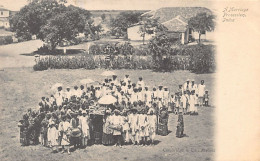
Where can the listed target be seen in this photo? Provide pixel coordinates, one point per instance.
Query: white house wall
(207, 36)
(4, 13)
(133, 34)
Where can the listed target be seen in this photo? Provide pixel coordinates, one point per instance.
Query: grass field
(22, 88)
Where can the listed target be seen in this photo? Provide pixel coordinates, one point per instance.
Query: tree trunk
(199, 37)
(143, 38)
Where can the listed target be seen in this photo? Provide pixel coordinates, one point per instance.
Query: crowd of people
(137, 115)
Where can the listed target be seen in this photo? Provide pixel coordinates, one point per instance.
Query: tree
(91, 29)
(120, 24)
(150, 26)
(103, 16)
(202, 22)
(160, 47)
(50, 20)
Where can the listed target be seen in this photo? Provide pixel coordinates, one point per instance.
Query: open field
(22, 88)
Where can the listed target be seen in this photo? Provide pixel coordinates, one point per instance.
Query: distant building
(134, 34)
(4, 17)
(175, 19)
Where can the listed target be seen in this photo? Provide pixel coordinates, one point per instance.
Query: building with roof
(5, 16)
(175, 19)
(134, 34)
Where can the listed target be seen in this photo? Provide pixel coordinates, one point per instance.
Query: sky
(15, 5)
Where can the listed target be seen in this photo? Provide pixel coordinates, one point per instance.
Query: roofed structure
(168, 13)
(177, 24)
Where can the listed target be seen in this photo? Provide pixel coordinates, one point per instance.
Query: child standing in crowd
(84, 125)
(125, 128)
(152, 121)
(107, 138)
(52, 136)
(142, 125)
(206, 98)
(64, 131)
(133, 120)
(117, 123)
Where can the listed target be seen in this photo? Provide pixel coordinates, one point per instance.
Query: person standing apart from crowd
(180, 126)
(206, 98)
(201, 92)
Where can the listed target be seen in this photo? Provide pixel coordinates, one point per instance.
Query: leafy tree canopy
(150, 26)
(50, 20)
(120, 24)
(202, 22)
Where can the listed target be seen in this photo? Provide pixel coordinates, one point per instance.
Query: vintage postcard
(129, 80)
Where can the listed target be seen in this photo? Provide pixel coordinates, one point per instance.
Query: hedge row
(199, 59)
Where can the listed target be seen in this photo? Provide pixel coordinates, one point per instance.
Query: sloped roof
(168, 13)
(3, 9)
(177, 24)
(149, 13)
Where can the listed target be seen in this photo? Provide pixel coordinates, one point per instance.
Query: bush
(111, 49)
(202, 59)
(6, 40)
(196, 58)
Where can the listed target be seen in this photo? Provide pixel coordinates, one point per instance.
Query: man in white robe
(201, 92)
(140, 83)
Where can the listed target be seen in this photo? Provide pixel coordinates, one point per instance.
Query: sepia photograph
(109, 80)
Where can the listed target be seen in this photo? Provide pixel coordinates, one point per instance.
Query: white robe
(59, 98)
(201, 90)
(83, 123)
(142, 122)
(193, 108)
(63, 127)
(152, 121)
(52, 136)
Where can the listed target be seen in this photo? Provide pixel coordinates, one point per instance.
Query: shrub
(6, 40)
(202, 59)
(197, 58)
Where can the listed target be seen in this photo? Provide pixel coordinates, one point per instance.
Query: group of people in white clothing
(134, 118)
(189, 97)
